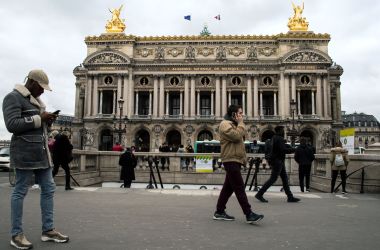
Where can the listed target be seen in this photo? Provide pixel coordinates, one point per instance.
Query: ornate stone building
(177, 88)
(367, 128)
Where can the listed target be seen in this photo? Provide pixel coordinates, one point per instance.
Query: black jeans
(343, 176)
(127, 183)
(233, 183)
(65, 167)
(278, 169)
(304, 173)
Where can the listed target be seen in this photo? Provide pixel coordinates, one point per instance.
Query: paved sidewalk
(114, 218)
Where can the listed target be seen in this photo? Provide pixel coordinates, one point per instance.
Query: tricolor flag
(187, 17)
(217, 17)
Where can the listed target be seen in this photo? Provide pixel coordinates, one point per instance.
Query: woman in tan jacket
(339, 161)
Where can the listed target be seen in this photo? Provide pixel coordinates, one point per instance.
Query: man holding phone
(232, 133)
(25, 117)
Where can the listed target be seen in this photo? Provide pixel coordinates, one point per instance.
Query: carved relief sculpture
(267, 51)
(144, 52)
(252, 53)
(221, 54)
(205, 51)
(175, 52)
(306, 57)
(108, 58)
(190, 53)
(160, 53)
(236, 51)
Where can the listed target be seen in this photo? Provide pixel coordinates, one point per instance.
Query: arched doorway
(142, 141)
(106, 140)
(309, 137)
(173, 138)
(205, 135)
(267, 135)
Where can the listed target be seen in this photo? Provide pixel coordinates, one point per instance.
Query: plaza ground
(114, 218)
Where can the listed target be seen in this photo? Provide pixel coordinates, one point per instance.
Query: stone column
(293, 87)
(249, 97)
(275, 102)
(119, 94)
(77, 100)
(224, 96)
(89, 95)
(162, 98)
(255, 97)
(180, 103)
(229, 98)
(114, 107)
(167, 103)
(131, 93)
(217, 96)
(95, 95)
(328, 98)
(198, 102)
(186, 111)
(299, 101)
(150, 102)
(261, 103)
(125, 94)
(319, 96)
(155, 97)
(281, 94)
(243, 102)
(192, 97)
(101, 102)
(312, 102)
(287, 97)
(338, 102)
(212, 102)
(325, 100)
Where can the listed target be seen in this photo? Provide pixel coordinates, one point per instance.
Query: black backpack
(268, 150)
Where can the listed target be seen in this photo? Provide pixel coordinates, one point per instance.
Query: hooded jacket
(232, 137)
(29, 145)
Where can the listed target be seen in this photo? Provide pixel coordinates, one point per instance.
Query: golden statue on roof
(115, 25)
(297, 22)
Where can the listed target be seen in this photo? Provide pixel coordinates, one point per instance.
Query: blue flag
(187, 17)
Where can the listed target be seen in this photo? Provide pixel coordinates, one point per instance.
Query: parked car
(4, 158)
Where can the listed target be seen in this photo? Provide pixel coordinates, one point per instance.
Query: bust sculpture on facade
(297, 22)
(115, 25)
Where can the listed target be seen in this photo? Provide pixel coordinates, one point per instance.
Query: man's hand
(48, 117)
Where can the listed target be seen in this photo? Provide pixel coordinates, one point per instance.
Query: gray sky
(49, 34)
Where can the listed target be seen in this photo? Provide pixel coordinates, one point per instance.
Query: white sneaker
(36, 186)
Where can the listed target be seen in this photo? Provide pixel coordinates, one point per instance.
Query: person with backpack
(339, 162)
(232, 133)
(304, 156)
(275, 155)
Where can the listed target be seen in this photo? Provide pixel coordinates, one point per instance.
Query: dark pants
(343, 176)
(304, 173)
(233, 184)
(65, 167)
(127, 183)
(278, 169)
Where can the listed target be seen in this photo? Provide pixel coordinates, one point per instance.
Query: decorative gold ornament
(115, 25)
(297, 22)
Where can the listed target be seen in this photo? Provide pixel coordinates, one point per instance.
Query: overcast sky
(49, 34)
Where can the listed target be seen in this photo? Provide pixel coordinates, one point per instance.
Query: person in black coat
(62, 156)
(277, 162)
(304, 156)
(128, 164)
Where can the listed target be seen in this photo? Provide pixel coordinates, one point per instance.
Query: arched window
(205, 135)
(236, 80)
(205, 81)
(267, 81)
(144, 81)
(174, 81)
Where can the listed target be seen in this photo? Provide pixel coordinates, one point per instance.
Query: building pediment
(107, 57)
(307, 56)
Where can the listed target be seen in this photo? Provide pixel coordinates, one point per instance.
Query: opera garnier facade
(145, 91)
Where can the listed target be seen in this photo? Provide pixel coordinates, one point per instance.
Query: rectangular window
(143, 103)
(174, 104)
(205, 105)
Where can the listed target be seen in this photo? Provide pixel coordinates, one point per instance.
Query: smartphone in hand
(56, 112)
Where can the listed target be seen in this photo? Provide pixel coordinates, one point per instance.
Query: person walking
(128, 163)
(277, 162)
(25, 117)
(232, 133)
(62, 156)
(339, 161)
(304, 156)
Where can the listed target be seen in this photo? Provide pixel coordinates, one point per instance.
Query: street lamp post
(293, 133)
(119, 130)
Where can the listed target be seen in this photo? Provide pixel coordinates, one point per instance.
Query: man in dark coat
(62, 156)
(128, 164)
(304, 156)
(277, 162)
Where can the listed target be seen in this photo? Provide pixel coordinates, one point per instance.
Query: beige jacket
(232, 142)
(333, 153)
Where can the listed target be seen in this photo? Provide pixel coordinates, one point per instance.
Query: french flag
(187, 17)
(217, 17)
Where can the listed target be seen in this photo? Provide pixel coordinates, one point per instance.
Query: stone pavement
(114, 218)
